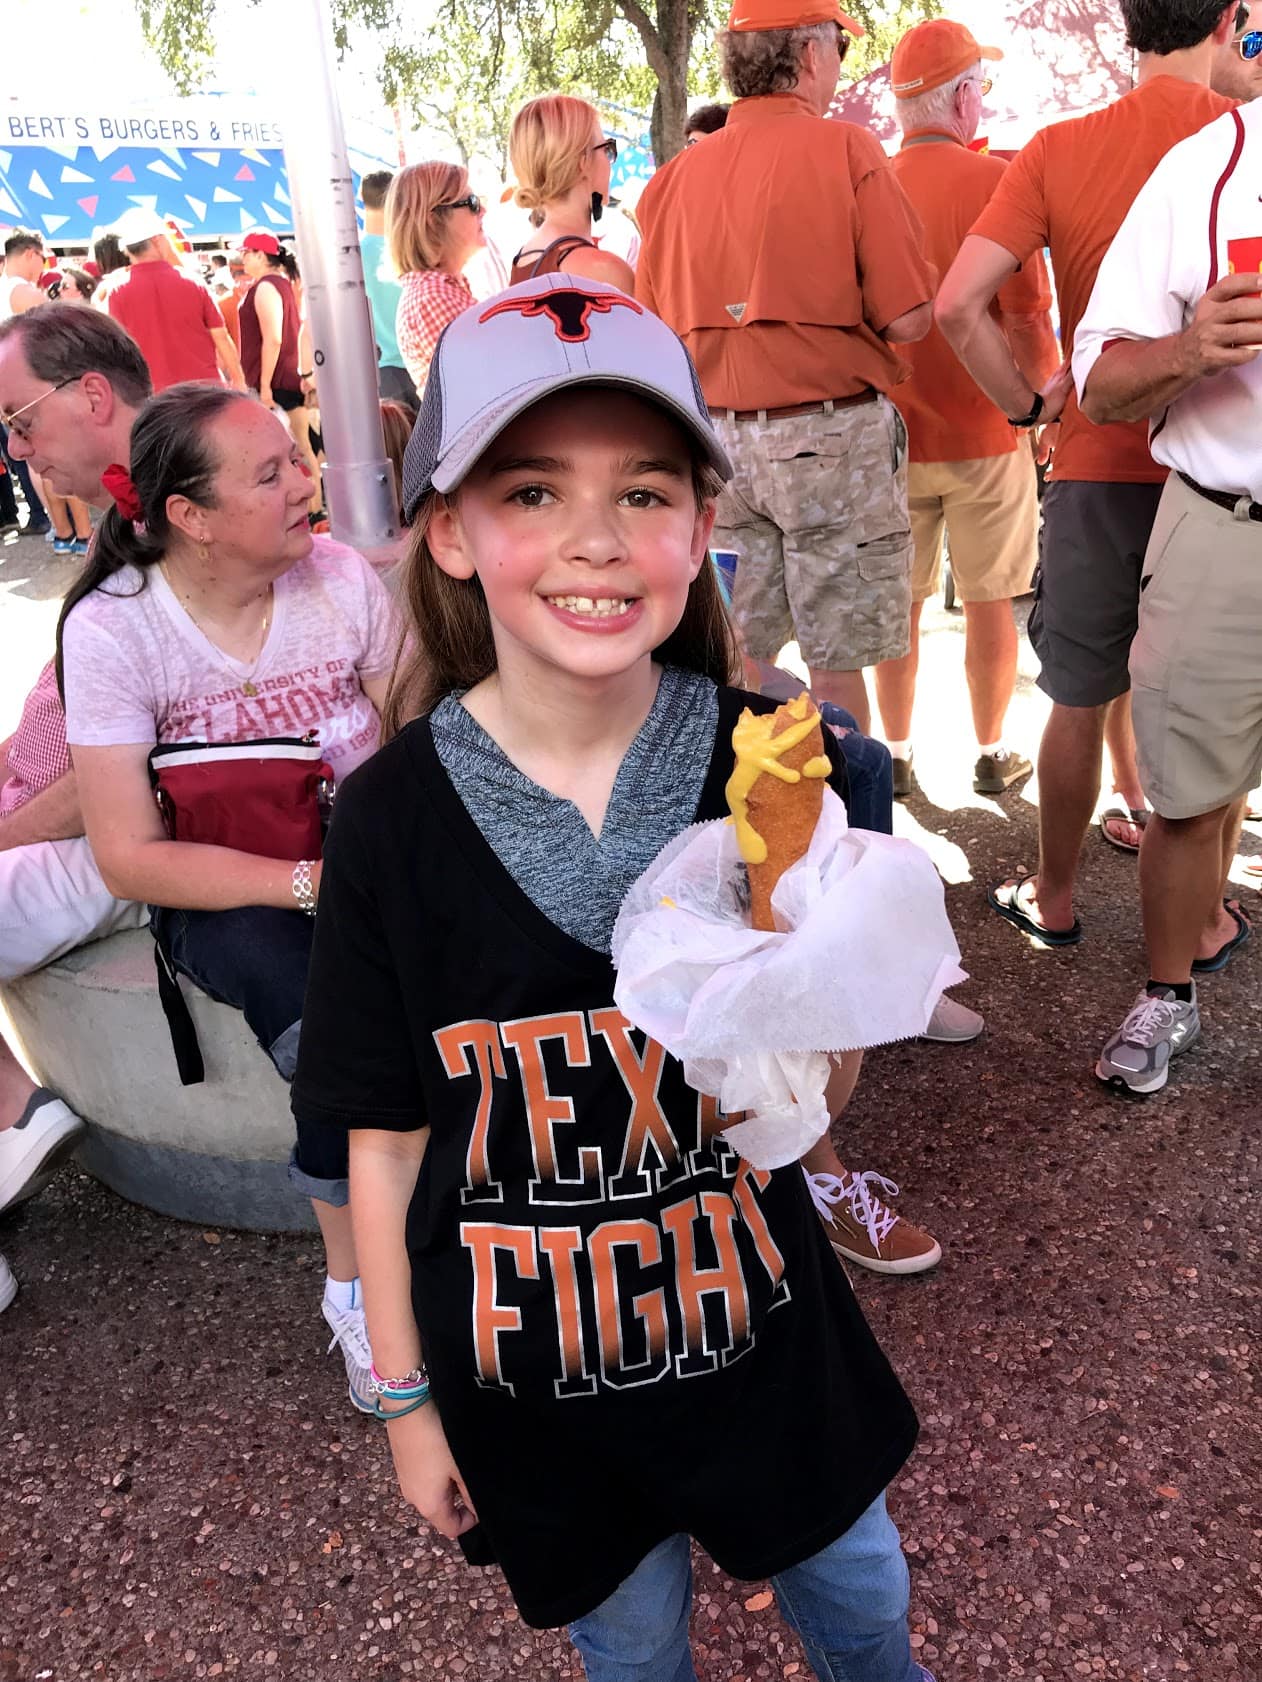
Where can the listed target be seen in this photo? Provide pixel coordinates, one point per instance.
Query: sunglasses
(473, 203)
(609, 148)
(1250, 45)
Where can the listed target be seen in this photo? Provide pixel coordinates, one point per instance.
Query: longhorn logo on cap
(570, 310)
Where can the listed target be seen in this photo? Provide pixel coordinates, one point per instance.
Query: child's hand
(427, 1474)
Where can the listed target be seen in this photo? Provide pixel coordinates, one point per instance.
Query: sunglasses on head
(1250, 45)
(473, 203)
(609, 148)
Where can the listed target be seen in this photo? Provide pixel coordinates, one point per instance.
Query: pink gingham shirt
(430, 299)
(38, 754)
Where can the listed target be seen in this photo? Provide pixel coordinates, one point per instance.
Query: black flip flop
(1010, 910)
(1120, 812)
(1221, 958)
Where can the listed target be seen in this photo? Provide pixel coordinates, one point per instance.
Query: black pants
(38, 514)
(256, 959)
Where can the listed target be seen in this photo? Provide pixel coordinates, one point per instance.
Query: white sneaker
(8, 1285)
(953, 1023)
(350, 1330)
(31, 1150)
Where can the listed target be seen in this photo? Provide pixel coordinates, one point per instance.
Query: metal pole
(358, 479)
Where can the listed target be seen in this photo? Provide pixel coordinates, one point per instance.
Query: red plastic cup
(1244, 256)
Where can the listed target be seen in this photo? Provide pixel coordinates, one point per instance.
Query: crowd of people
(535, 1232)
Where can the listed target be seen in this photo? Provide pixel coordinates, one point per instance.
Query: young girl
(632, 1336)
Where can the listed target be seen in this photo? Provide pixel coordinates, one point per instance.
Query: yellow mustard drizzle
(757, 750)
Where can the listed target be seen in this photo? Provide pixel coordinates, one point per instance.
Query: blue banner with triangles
(215, 164)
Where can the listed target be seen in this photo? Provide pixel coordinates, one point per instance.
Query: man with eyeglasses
(71, 384)
(1070, 188)
(970, 475)
(1172, 336)
(1237, 72)
(784, 253)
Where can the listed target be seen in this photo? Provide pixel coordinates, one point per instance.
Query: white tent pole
(358, 479)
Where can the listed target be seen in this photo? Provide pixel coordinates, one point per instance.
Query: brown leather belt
(824, 407)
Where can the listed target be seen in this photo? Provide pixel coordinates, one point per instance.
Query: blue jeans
(869, 769)
(848, 1604)
(37, 512)
(256, 958)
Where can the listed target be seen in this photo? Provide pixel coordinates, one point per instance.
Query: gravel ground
(184, 1491)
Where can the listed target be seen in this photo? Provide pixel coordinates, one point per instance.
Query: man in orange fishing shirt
(971, 475)
(787, 257)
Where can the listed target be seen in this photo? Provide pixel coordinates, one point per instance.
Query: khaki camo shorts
(817, 512)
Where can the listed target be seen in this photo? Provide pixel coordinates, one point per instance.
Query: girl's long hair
(171, 455)
(448, 644)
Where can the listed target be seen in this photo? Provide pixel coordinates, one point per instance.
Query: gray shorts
(1086, 593)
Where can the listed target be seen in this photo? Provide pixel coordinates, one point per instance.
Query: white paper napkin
(862, 953)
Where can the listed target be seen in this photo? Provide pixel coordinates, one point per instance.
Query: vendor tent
(215, 164)
(1061, 59)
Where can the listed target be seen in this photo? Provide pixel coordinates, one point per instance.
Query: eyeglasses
(473, 203)
(1250, 45)
(984, 86)
(609, 148)
(24, 431)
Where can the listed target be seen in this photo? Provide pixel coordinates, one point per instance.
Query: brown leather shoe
(863, 1230)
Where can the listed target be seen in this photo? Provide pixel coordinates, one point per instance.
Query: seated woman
(209, 613)
(433, 228)
(562, 162)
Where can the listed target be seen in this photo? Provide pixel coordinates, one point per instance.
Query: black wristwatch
(1032, 418)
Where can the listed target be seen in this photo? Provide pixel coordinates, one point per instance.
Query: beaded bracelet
(378, 1412)
(412, 1384)
(303, 888)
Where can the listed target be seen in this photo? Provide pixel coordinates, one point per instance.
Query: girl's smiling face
(582, 525)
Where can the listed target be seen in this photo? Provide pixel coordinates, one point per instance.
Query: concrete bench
(93, 1030)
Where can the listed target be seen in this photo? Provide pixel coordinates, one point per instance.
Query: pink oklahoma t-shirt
(138, 670)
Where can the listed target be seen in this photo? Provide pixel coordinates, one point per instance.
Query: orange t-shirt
(778, 251)
(948, 415)
(1070, 189)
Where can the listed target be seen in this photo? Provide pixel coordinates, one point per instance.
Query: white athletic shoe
(953, 1023)
(350, 1331)
(8, 1285)
(31, 1150)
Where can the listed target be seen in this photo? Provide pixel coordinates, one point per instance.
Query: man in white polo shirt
(1173, 332)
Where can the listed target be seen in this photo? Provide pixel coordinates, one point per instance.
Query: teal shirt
(383, 296)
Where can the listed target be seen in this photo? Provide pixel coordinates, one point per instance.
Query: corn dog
(775, 794)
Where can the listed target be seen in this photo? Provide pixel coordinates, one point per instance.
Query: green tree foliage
(464, 70)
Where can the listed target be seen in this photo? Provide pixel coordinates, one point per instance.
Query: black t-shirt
(630, 1332)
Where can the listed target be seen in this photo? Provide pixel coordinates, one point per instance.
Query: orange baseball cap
(931, 54)
(788, 14)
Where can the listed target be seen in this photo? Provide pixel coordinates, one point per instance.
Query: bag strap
(188, 1054)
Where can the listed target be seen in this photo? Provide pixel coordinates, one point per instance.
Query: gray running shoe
(995, 772)
(902, 777)
(1158, 1027)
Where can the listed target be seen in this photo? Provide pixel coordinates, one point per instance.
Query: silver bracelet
(304, 892)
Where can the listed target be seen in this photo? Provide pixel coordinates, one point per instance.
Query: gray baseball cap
(506, 353)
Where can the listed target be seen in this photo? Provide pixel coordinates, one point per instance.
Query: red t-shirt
(171, 319)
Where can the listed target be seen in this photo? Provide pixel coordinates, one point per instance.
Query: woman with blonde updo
(562, 162)
(433, 227)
